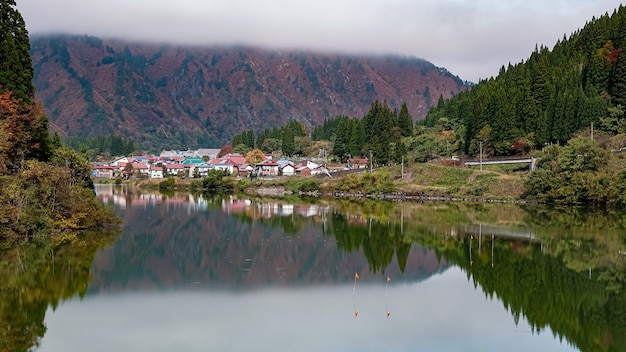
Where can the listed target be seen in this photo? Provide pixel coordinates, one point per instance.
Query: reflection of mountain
(536, 271)
(234, 243)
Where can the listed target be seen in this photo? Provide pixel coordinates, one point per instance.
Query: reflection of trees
(379, 241)
(585, 241)
(39, 274)
(582, 308)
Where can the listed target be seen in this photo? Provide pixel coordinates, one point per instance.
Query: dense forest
(44, 185)
(103, 147)
(547, 98)
(378, 134)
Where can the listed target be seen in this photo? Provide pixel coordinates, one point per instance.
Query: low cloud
(471, 38)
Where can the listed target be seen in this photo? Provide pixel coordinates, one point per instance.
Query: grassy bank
(425, 179)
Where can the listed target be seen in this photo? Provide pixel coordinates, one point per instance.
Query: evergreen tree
(248, 138)
(357, 138)
(342, 138)
(618, 81)
(288, 146)
(549, 97)
(28, 125)
(405, 121)
(381, 131)
(16, 68)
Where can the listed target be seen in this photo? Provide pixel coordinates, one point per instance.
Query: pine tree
(618, 82)
(16, 68)
(288, 146)
(28, 125)
(405, 122)
(357, 138)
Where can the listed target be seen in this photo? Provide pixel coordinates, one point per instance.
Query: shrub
(308, 184)
(167, 184)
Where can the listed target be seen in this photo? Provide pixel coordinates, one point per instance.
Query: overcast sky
(470, 38)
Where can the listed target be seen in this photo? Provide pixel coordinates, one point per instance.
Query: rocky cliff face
(177, 97)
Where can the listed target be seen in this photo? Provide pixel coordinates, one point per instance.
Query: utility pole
(481, 156)
(592, 131)
(370, 160)
(402, 169)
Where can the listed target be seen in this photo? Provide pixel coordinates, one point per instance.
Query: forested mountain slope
(548, 97)
(165, 96)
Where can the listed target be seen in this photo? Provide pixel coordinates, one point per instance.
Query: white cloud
(471, 38)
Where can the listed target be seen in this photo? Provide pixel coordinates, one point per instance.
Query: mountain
(165, 96)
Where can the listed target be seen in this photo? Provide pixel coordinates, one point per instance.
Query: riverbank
(418, 182)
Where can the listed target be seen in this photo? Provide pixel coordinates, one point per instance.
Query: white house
(267, 168)
(156, 171)
(123, 160)
(287, 170)
(174, 169)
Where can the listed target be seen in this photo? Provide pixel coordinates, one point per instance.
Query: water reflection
(210, 273)
(314, 319)
(40, 274)
(235, 243)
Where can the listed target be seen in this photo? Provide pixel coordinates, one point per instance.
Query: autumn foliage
(23, 133)
(45, 187)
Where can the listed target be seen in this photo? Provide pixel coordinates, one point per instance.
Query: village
(198, 163)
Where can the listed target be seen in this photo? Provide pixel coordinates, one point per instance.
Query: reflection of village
(127, 197)
(130, 197)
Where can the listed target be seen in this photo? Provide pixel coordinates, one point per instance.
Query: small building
(210, 153)
(303, 171)
(156, 171)
(121, 162)
(244, 169)
(358, 163)
(200, 170)
(286, 170)
(192, 160)
(267, 168)
(141, 169)
(176, 169)
(103, 171)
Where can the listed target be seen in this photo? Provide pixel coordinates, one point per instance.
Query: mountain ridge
(190, 96)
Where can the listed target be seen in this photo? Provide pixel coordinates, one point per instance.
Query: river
(194, 273)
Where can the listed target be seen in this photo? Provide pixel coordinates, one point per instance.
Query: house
(168, 154)
(308, 163)
(303, 171)
(192, 160)
(103, 171)
(200, 170)
(210, 153)
(225, 164)
(175, 169)
(286, 169)
(358, 163)
(282, 161)
(320, 170)
(236, 159)
(267, 168)
(141, 169)
(120, 163)
(156, 171)
(244, 169)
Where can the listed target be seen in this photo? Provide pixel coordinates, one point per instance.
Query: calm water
(226, 274)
